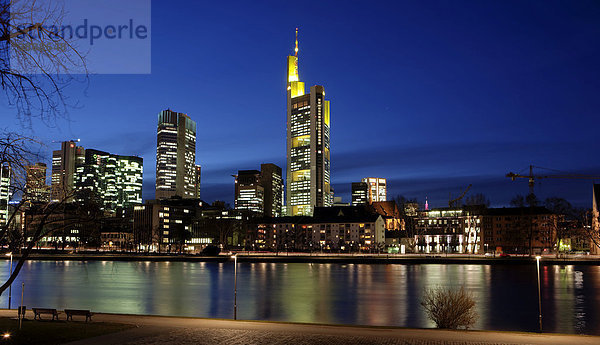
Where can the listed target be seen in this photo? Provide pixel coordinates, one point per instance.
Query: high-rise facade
(64, 163)
(175, 156)
(129, 177)
(198, 180)
(36, 189)
(360, 193)
(116, 181)
(249, 194)
(377, 188)
(5, 178)
(271, 180)
(308, 175)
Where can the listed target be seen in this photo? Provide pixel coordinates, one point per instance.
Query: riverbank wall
(321, 258)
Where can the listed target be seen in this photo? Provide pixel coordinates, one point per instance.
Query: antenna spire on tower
(296, 49)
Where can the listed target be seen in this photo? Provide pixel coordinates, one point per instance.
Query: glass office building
(308, 175)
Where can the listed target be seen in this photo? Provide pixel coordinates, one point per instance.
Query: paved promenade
(176, 330)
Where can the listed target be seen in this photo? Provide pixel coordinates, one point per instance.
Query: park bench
(39, 311)
(71, 312)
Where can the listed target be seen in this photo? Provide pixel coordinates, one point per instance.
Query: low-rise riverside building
(178, 224)
(520, 230)
(158, 225)
(448, 230)
(344, 228)
(477, 230)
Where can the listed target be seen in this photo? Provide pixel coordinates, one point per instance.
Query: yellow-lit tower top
(296, 49)
(295, 86)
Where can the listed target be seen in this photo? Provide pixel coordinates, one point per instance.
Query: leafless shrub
(450, 308)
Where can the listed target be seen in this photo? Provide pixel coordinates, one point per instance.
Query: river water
(358, 294)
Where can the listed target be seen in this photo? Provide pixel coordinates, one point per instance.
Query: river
(356, 294)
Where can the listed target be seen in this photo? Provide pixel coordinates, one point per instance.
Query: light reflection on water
(387, 295)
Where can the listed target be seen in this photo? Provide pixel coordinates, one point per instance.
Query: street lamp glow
(6, 335)
(538, 258)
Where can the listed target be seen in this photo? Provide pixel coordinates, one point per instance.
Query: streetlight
(537, 258)
(10, 286)
(235, 287)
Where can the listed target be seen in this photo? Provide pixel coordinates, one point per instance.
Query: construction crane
(531, 177)
(61, 141)
(453, 202)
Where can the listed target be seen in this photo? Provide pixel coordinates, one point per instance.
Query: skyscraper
(64, 162)
(175, 156)
(115, 180)
(260, 191)
(377, 188)
(360, 193)
(308, 176)
(249, 194)
(36, 189)
(198, 180)
(5, 179)
(272, 181)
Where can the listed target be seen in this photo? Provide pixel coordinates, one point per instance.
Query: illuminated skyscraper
(64, 163)
(377, 189)
(5, 179)
(36, 189)
(308, 158)
(360, 193)
(249, 194)
(198, 180)
(116, 181)
(272, 181)
(175, 156)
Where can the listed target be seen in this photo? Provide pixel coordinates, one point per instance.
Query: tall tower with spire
(308, 178)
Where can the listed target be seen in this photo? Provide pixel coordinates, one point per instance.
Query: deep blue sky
(431, 95)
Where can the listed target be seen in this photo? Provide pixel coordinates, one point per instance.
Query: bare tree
(590, 228)
(36, 61)
(449, 308)
(477, 199)
(42, 219)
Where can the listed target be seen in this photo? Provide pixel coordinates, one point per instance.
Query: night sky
(431, 95)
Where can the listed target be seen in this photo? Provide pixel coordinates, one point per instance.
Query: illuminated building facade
(5, 179)
(36, 189)
(184, 225)
(271, 179)
(308, 172)
(260, 192)
(176, 170)
(360, 193)
(64, 163)
(160, 224)
(448, 230)
(198, 180)
(115, 180)
(344, 228)
(249, 194)
(377, 189)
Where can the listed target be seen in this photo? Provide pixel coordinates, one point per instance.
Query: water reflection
(329, 293)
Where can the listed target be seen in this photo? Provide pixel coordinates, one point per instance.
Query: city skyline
(451, 119)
